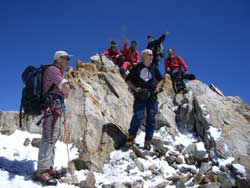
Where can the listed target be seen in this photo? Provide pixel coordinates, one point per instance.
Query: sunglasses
(65, 58)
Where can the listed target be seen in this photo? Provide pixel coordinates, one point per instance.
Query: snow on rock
(214, 132)
(240, 169)
(200, 146)
(224, 162)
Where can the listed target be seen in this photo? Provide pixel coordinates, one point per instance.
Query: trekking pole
(66, 140)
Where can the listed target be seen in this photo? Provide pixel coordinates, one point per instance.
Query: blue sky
(212, 36)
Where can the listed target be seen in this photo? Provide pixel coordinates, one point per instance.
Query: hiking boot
(147, 145)
(44, 178)
(57, 174)
(130, 141)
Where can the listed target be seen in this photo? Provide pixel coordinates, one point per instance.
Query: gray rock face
(225, 116)
(221, 122)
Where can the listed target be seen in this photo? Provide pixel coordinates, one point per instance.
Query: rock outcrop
(100, 110)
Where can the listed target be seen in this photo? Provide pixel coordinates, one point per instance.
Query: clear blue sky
(212, 36)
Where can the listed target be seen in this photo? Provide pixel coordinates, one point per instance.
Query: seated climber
(146, 81)
(131, 55)
(114, 54)
(174, 66)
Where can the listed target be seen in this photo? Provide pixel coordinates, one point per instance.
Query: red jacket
(175, 64)
(132, 56)
(112, 53)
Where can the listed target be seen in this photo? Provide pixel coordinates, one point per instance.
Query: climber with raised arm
(146, 81)
(156, 46)
(176, 67)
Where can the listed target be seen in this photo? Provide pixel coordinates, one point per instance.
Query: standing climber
(114, 54)
(58, 89)
(157, 47)
(131, 55)
(177, 68)
(146, 81)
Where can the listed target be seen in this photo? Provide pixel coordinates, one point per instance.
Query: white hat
(60, 54)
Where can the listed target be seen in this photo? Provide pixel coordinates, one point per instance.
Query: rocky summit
(202, 138)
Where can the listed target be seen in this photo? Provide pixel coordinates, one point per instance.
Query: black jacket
(157, 48)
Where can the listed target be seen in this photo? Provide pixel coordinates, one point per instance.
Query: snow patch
(214, 133)
(200, 146)
(224, 162)
(240, 168)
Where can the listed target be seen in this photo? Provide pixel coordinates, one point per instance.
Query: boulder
(8, 122)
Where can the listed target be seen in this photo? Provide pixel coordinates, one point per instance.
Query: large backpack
(33, 96)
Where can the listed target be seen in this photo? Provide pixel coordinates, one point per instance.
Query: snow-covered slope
(18, 162)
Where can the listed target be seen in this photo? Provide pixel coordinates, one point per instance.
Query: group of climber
(129, 57)
(143, 79)
(125, 59)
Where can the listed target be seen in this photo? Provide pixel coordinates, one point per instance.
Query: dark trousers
(178, 78)
(151, 107)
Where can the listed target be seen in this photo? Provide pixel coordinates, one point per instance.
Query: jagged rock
(69, 180)
(170, 159)
(216, 90)
(205, 167)
(179, 159)
(243, 160)
(189, 150)
(185, 113)
(139, 164)
(166, 115)
(138, 152)
(190, 160)
(210, 185)
(158, 147)
(176, 178)
(8, 122)
(136, 184)
(183, 169)
(180, 184)
(228, 116)
(89, 182)
(239, 169)
(26, 142)
(175, 166)
(129, 167)
(161, 185)
(36, 142)
(180, 147)
(200, 152)
(133, 156)
(242, 183)
(193, 170)
(225, 180)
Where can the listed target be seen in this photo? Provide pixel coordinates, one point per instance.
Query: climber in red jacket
(174, 62)
(131, 55)
(177, 68)
(114, 54)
